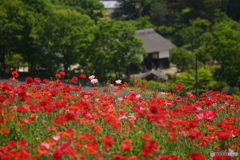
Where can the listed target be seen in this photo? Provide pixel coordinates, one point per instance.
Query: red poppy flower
(51, 129)
(62, 73)
(230, 119)
(73, 80)
(149, 147)
(96, 128)
(13, 79)
(108, 142)
(23, 143)
(12, 143)
(29, 79)
(45, 81)
(37, 81)
(15, 74)
(178, 87)
(111, 85)
(5, 130)
(223, 134)
(86, 137)
(105, 90)
(146, 136)
(77, 88)
(83, 76)
(126, 145)
(57, 76)
(194, 133)
(144, 84)
(197, 156)
(135, 82)
(166, 157)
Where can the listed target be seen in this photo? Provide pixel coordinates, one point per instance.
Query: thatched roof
(149, 73)
(153, 42)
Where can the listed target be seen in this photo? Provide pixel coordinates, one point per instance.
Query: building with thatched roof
(157, 47)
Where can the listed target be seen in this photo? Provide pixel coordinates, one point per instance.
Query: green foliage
(225, 49)
(128, 10)
(92, 8)
(67, 34)
(191, 34)
(116, 47)
(11, 17)
(132, 9)
(142, 23)
(169, 12)
(204, 24)
(15, 61)
(205, 80)
(182, 58)
(166, 30)
(203, 54)
(158, 14)
(203, 8)
(155, 85)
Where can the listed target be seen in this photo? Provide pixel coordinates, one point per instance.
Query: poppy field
(50, 120)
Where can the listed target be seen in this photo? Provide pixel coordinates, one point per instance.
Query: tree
(203, 54)
(142, 22)
(18, 22)
(158, 13)
(133, 9)
(126, 47)
(11, 16)
(92, 8)
(127, 10)
(116, 47)
(15, 61)
(226, 50)
(28, 46)
(204, 9)
(192, 34)
(65, 36)
(182, 58)
(38, 6)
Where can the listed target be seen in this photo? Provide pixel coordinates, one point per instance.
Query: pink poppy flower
(93, 81)
(91, 77)
(118, 81)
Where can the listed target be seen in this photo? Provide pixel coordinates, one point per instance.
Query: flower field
(49, 120)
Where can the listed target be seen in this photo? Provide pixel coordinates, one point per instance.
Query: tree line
(170, 12)
(51, 34)
(60, 33)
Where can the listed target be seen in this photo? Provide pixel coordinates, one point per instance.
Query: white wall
(164, 54)
(23, 69)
